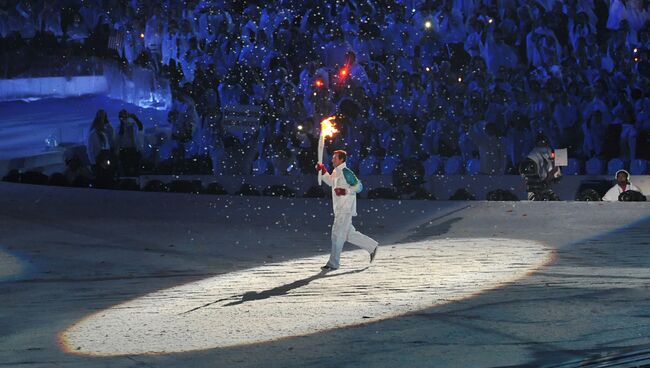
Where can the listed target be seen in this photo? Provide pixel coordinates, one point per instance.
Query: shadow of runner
(284, 289)
(276, 291)
(429, 231)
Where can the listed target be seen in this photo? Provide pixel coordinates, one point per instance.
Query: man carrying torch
(345, 187)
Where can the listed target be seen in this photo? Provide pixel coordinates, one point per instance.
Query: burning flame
(327, 127)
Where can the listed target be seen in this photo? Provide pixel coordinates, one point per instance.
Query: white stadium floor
(94, 278)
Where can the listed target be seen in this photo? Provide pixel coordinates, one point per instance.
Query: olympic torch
(327, 129)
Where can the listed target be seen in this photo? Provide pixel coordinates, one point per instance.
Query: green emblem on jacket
(352, 179)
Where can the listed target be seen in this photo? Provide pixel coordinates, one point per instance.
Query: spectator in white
(583, 56)
(405, 58)
(401, 101)
(307, 78)
(432, 132)
(334, 51)
(8, 19)
(101, 150)
(345, 187)
(644, 39)
(189, 60)
(28, 19)
(620, 41)
(77, 31)
(544, 124)
(254, 50)
(133, 41)
(587, 6)
(409, 145)
(642, 113)
(492, 148)
(293, 107)
(101, 137)
(154, 32)
(391, 32)
(230, 91)
(519, 139)
(92, 14)
(565, 115)
(189, 14)
(269, 19)
(129, 139)
(393, 139)
(597, 103)
(509, 26)
(367, 45)
(473, 42)
(169, 45)
(76, 173)
(624, 117)
(356, 72)
(50, 19)
(189, 121)
(579, 26)
(622, 185)
(542, 47)
(637, 17)
(227, 55)
(450, 24)
(616, 14)
(465, 7)
(318, 101)
(210, 18)
(468, 149)
(496, 108)
(593, 130)
(379, 74)
(349, 23)
(185, 35)
(497, 53)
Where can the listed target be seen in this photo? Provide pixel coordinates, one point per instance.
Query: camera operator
(540, 170)
(542, 155)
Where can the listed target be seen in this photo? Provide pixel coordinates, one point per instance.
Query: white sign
(561, 157)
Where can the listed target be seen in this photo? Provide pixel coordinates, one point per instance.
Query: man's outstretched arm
(327, 178)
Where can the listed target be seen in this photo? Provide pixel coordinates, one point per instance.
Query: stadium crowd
(469, 81)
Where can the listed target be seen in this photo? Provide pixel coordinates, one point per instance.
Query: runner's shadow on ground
(284, 289)
(276, 291)
(429, 231)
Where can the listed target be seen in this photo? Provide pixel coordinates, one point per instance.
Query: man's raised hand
(320, 167)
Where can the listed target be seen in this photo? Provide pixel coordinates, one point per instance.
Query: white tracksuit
(345, 207)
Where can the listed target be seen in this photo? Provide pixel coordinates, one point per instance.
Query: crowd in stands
(467, 79)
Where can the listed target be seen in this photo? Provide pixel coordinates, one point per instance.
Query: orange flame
(327, 127)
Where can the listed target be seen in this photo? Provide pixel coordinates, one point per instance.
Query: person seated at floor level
(622, 185)
(76, 173)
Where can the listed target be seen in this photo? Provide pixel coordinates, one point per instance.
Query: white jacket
(99, 141)
(337, 179)
(613, 192)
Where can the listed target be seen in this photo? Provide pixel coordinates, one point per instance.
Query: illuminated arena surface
(292, 298)
(9, 265)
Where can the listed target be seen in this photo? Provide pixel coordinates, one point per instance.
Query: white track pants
(343, 231)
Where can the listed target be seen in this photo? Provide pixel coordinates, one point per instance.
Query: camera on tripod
(541, 168)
